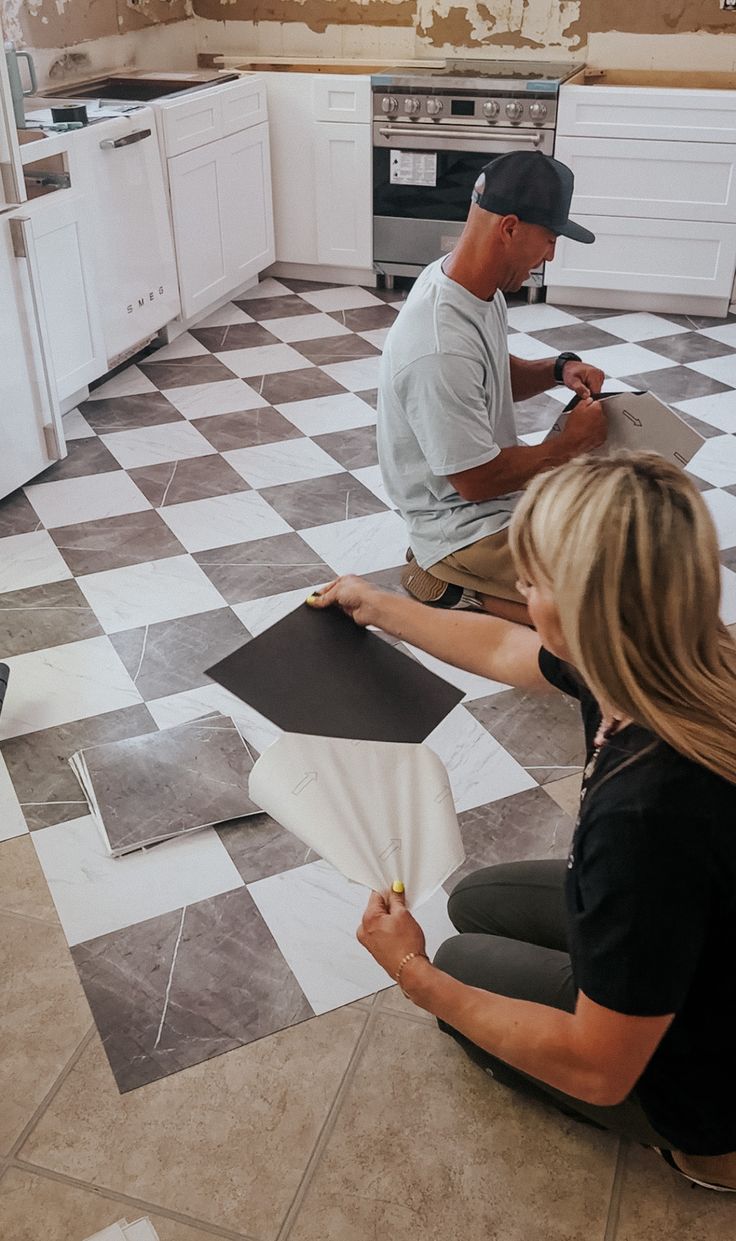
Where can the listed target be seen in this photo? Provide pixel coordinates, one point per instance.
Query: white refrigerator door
(118, 162)
(30, 425)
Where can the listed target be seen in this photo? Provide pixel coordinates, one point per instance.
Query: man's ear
(508, 226)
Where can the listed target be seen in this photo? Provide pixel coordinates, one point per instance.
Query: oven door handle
(439, 137)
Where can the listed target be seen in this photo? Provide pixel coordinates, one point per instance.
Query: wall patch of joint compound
(317, 15)
(512, 24)
(648, 17)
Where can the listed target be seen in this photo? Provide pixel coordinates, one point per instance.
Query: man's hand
(582, 378)
(586, 428)
(389, 931)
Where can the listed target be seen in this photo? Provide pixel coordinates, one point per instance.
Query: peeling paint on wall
(512, 24)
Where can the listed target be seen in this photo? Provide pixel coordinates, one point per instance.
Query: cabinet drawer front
(661, 180)
(654, 256)
(192, 122)
(341, 97)
(637, 112)
(243, 104)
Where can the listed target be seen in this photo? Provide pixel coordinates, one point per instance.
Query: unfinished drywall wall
(66, 23)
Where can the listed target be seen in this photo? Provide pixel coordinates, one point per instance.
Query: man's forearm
(528, 379)
(512, 469)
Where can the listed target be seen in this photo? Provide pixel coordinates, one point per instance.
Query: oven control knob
(537, 110)
(434, 107)
(490, 107)
(389, 104)
(514, 110)
(411, 106)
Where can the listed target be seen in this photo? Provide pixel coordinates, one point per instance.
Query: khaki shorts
(485, 566)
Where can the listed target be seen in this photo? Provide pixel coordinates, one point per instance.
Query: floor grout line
(53, 1091)
(140, 1204)
(614, 1205)
(16, 913)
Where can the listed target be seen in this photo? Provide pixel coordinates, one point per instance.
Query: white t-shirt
(444, 405)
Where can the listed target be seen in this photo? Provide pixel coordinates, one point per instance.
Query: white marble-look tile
(627, 359)
(313, 914)
(370, 476)
(725, 335)
(130, 382)
(263, 360)
(73, 500)
(715, 461)
(721, 369)
(64, 683)
(266, 288)
(171, 441)
(221, 520)
(722, 507)
(260, 614)
(718, 410)
(30, 560)
(256, 730)
(376, 336)
(95, 894)
(480, 770)
(529, 348)
(636, 327)
(728, 596)
(142, 594)
(287, 461)
(76, 427)
(360, 375)
(224, 316)
(360, 545)
(538, 317)
(12, 821)
(341, 297)
(184, 346)
(322, 414)
(472, 685)
(316, 326)
(533, 437)
(225, 396)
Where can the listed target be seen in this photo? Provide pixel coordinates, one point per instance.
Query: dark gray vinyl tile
(575, 337)
(233, 336)
(391, 296)
(17, 515)
(544, 734)
(183, 372)
(111, 542)
(698, 322)
(728, 556)
(699, 482)
(212, 971)
(332, 349)
(320, 501)
(296, 385)
(706, 429)
(688, 347)
(246, 429)
(44, 616)
(260, 847)
(86, 456)
(366, 318)
(370, 397)
(387, 579)
(127, 413)
(38, 762)
(195, 478)
(521, 828)
(537, 414)
(171, 656)
(591, 312)
(262, 567)
(353, 449)
(675, 383)
(263, 308)
(304, 286)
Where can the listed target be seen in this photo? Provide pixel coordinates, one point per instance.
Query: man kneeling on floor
(447, 440)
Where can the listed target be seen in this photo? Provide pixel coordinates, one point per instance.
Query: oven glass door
(454, 174)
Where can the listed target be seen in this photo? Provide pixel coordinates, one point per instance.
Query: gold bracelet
(410, 956)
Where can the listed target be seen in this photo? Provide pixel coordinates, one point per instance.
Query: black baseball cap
(533, 186)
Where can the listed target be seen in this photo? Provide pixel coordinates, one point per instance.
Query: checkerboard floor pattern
(208, 486)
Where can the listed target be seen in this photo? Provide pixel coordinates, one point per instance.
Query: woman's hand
(389, 931)
(356, 597)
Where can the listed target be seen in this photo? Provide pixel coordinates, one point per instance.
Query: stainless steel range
(433, 131)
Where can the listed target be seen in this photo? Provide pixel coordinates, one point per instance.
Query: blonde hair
(627, 547)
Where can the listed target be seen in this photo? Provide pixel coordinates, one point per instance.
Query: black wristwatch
(560, 361)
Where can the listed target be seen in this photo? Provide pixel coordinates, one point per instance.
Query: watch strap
(560, 361)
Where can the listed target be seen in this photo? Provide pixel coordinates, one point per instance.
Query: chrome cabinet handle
(109, 144)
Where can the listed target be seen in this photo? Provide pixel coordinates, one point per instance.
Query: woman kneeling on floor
(605, 983)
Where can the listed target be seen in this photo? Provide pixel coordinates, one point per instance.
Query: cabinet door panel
(291, 139)
(341, 97)
(244, 183)
(197, 210)
(344, 194)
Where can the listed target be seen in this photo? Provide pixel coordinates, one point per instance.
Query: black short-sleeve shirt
(651, 901)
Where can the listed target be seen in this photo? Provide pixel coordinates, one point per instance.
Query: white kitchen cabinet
(343, 194)
(61, 228)
(293, 172)
(221, 211)
(653, 112)
(342, 97)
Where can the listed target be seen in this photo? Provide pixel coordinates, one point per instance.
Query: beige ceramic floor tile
(23, 888)
(394, 1001)
(33, 1208)
(226, 1141)
(427, 1147)
(566, 793)
(656, 1205)
(43, 1017)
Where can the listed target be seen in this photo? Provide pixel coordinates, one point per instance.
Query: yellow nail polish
(312, 598)
(397, 886)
